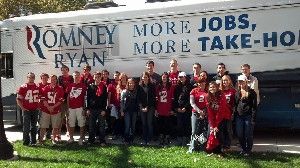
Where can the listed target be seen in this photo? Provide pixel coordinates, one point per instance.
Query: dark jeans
(244, 130)
(30, 119)
(93, 126)
(199, 126)
(164, 125)
(129, 121)
(119, 127)
(183, 124)
(173, 122)
(227, 133)
(147, 122)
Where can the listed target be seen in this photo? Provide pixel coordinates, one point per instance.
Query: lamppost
(6, 149)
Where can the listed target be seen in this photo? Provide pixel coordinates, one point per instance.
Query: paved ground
(264, 141)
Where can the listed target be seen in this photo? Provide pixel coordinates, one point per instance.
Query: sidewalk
(264, 141)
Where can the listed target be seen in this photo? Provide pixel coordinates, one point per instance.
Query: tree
(15, 7)
(7, 150)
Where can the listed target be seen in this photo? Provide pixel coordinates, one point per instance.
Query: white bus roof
(134, 12)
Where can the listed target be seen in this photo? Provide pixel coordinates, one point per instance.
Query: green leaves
(16, 7)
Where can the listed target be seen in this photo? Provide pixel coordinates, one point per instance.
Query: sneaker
(143, 143)
(190, 151)
(210, 154)
(54, 142)
(58, 138)
(226, 149)
(167, 140)
(33, 144)
(242, 153)
(71, 140)
(80, 142)
(26, 143)
(220, 156)
(246, 154)
(48, 136)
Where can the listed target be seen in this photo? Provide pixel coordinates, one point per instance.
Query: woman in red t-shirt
(229, 92)
(198, 119)
(164, 98)
(216, 107)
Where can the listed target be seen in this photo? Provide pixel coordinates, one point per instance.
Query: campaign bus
(262, 33)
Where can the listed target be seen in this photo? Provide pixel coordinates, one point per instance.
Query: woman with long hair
(246, 106)
(216, 107)
(123, 78)
(129, 109)
(164, 95)
(148, 102)
(122, 82)
(204, 76)
(229, 92)
(199, 117)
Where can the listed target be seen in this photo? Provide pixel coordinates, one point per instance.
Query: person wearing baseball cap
(182, 107)
(252, 80)
(246, 107)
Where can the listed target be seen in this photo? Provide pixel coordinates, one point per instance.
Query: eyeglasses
(180, 76)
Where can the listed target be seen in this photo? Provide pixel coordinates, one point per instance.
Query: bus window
(6, 65)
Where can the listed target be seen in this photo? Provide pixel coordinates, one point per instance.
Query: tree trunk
(6, 149)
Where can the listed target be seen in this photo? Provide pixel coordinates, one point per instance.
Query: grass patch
(65, 155)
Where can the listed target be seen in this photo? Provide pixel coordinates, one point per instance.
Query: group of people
(197, 111)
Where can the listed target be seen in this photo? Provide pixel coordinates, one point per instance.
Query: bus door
(275, 109)
(296, 107)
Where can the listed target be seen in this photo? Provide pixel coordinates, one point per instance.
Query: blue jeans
(93, 126)
(147, 122)
(30, 119)
(199, 126)
(129, 122)
(244, 130)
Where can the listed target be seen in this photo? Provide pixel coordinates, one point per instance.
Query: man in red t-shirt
(28, 100)
(198, 119)
(44, 82)
(113, 104)
(52, 98)
(64, 80)
(196, 74)
(77, 92)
